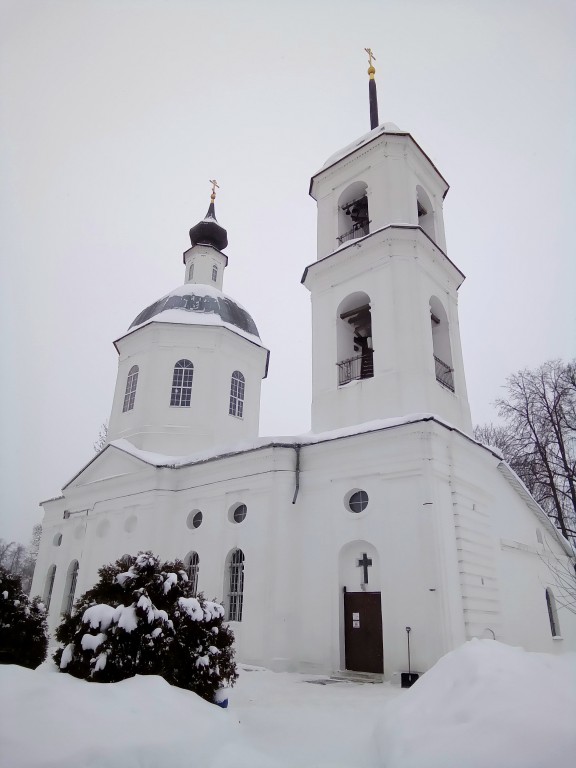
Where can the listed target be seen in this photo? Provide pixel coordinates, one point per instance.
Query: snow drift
(485, 704)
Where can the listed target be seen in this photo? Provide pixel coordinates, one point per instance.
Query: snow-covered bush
(23, 629)
(142, 618)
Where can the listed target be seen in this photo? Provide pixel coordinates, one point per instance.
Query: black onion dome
(209, 232)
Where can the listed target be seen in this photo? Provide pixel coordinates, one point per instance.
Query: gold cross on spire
(371, 70)
(370, 55)
(215, 185)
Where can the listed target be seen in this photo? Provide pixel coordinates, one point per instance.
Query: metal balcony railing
(359, 367)
(444, 374)
(358, 230)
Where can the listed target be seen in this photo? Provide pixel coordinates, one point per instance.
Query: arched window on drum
(237, 390)
(181, 394)
(130, 392)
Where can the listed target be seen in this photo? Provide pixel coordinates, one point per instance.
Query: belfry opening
(355, 351)
(353, 219)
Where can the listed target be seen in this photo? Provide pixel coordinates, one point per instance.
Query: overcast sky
(115, 113)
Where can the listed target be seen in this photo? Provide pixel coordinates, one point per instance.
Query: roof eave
(189, 325)
(382, 229)
(204, 245)
(375, 138)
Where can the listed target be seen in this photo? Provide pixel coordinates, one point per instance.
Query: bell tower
(385, 333)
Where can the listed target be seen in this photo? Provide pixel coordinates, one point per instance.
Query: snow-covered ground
(485, 704)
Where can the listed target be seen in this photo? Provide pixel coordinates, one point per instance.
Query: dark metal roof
(224, 307)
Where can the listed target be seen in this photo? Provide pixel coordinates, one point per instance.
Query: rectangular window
(214, 273)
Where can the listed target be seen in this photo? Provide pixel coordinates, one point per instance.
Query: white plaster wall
(298, 557)
(521, 563)
(397, 523)
(202, 258)
(215, 352)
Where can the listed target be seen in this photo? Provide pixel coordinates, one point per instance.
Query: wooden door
(363, 632)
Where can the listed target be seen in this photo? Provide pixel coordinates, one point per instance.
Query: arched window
(192, 564)
(552, 613)
(237, 384)
(355, 351)
(214, 273)
(48, 586)
(425, 213)
(191, 272)
(353, 219)
(131, 384)
(235, 585)
(441, 344)
(70, 588)
(182, 384)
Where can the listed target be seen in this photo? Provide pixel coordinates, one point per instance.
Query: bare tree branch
(538, 437)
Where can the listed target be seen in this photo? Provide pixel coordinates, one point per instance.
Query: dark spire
(208, 231)
(373, 96)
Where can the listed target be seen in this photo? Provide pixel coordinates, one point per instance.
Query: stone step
(352, 676)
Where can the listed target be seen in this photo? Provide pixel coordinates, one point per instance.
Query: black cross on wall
(365, 563)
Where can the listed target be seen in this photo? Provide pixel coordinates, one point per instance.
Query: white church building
(325, 547)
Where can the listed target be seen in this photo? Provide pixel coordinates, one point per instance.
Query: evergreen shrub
(142, 618)
(23, 628)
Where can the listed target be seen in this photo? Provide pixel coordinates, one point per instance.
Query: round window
(237, 513)
(358, 501)
(57, 540)
(194, 519)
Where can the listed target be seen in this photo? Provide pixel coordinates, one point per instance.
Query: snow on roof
(309, 438)
(200, 305)
(178, 317)
(200, 289)
(384, 128)
(519, 486)
(313, 438)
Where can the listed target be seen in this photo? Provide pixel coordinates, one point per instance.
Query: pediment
(109, 464)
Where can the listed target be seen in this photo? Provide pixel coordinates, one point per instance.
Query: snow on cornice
(288, 441)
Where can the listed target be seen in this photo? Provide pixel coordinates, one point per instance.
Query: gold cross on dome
(370, 56)
(215, 185)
